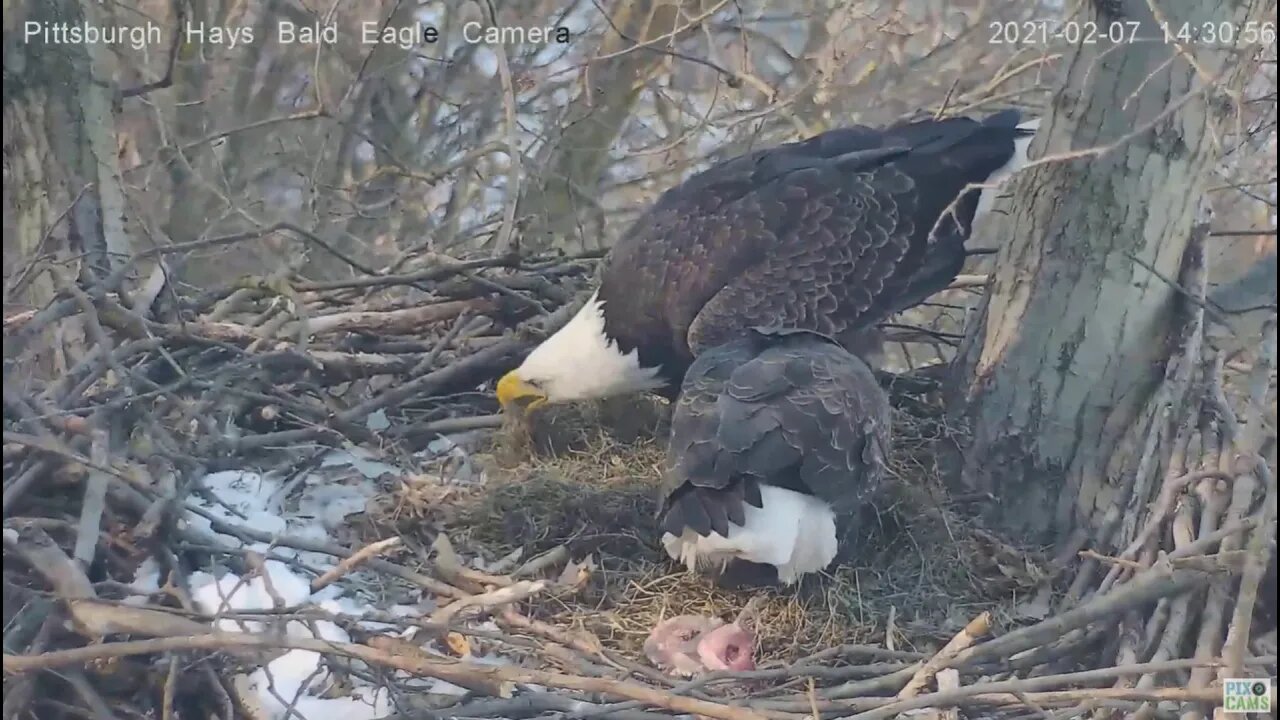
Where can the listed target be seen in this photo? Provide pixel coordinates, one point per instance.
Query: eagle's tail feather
(792, 531)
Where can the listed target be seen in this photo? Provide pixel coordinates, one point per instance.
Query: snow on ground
(310, 507)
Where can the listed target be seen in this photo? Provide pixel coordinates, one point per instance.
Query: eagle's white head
(579, 362)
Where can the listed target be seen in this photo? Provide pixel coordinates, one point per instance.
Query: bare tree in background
(576, 154)
(262, 163)
(1068, 384)
(265, 165)
(308, 246)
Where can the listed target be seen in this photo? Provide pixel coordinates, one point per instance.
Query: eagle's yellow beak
(514, 390)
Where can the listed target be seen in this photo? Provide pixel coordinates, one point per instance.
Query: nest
(587, 482)
(417, 561)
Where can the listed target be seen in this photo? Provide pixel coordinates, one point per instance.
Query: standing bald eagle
(832, 234)
(777, 440)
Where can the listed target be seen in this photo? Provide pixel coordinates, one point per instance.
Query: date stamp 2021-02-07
(1116, 32)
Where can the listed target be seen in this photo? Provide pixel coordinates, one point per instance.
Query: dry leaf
(576, 574)
(459, 644)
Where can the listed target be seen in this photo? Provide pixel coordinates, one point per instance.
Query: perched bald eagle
(832, 234)
(777, 440)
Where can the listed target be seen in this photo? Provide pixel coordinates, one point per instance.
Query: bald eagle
(833, 234)
(777, 440)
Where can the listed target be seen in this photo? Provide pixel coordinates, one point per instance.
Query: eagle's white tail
(792, 531)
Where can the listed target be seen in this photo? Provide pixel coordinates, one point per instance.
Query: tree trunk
(93, 105)
(1066, 381)
(63, 195)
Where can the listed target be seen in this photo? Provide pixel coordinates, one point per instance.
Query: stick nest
(539, 547)
(595, 494)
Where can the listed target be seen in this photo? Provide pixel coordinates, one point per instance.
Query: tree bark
(1065, 378)
(63, 195)
(95, 91)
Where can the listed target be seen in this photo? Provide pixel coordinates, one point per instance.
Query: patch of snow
(452, 457)
(330, 503)
(241, 492)
(296, 683)
(377, 420)
(440, 446)
(294, 680)
(362, 460)
(146, 581)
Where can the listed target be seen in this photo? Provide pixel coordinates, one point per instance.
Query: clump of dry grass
(793, 622)
(599, 501)
(919, 571)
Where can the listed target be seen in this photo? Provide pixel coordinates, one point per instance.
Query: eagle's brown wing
(781, 407)
(830, 234)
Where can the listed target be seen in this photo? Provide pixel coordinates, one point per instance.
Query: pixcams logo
(1246, 695)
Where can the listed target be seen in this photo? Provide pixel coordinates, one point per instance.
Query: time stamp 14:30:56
(1038, 32)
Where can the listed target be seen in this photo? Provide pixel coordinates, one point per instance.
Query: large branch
(1072, 341)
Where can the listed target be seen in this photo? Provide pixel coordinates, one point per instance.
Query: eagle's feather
(776, 441)
(832, 234)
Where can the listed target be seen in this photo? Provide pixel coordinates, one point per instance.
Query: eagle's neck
(582, 362)
(1018, 160)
